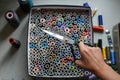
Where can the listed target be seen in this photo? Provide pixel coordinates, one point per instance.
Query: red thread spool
(98, 28)
(14, 42)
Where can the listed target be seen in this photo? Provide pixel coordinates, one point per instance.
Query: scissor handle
(77, 56)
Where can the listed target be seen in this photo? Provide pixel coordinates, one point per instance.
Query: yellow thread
(104, 53)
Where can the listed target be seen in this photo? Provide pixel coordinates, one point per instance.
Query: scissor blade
(53, 34)
(60, 37)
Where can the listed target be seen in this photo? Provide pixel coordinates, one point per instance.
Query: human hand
(91, 57)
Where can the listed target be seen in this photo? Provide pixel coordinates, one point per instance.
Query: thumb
(79, 62)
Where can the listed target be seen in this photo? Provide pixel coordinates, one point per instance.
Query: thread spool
(86, 73)
(100, 43)
(112, 52)
(92, 77)
(12, 18)
(100, 20)
(104, 53)
(109, 38)
(108, 53)
(15, 43)
(25, 5)
(112, 56)
(98, 28)
(86, 4)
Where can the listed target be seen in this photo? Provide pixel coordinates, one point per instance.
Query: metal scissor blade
(60, 37)
(66, 40)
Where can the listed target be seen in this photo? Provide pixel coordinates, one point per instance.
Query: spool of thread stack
(14, 42)
(100, 27)
(12, 18)
(112, 52)
(25, 5)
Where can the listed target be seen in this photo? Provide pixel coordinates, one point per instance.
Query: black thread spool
(25, 5)
(15, 43)
(100, 43)
(12, 18)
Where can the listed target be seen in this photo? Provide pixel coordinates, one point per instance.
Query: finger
(78, 62)
(98, 49)
(82, 46)
(71, 59)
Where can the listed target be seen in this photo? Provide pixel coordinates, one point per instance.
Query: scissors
(67, 40)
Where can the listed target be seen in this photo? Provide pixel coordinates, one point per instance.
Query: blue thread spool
(79, 20)
(44, 44)
(59, 24)
(25, 5)
(73, 38)
(86, 4)
(77, 54)
(100, 20)
(112, 54)
(32, 45)
(76, 35)
(68, 64)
